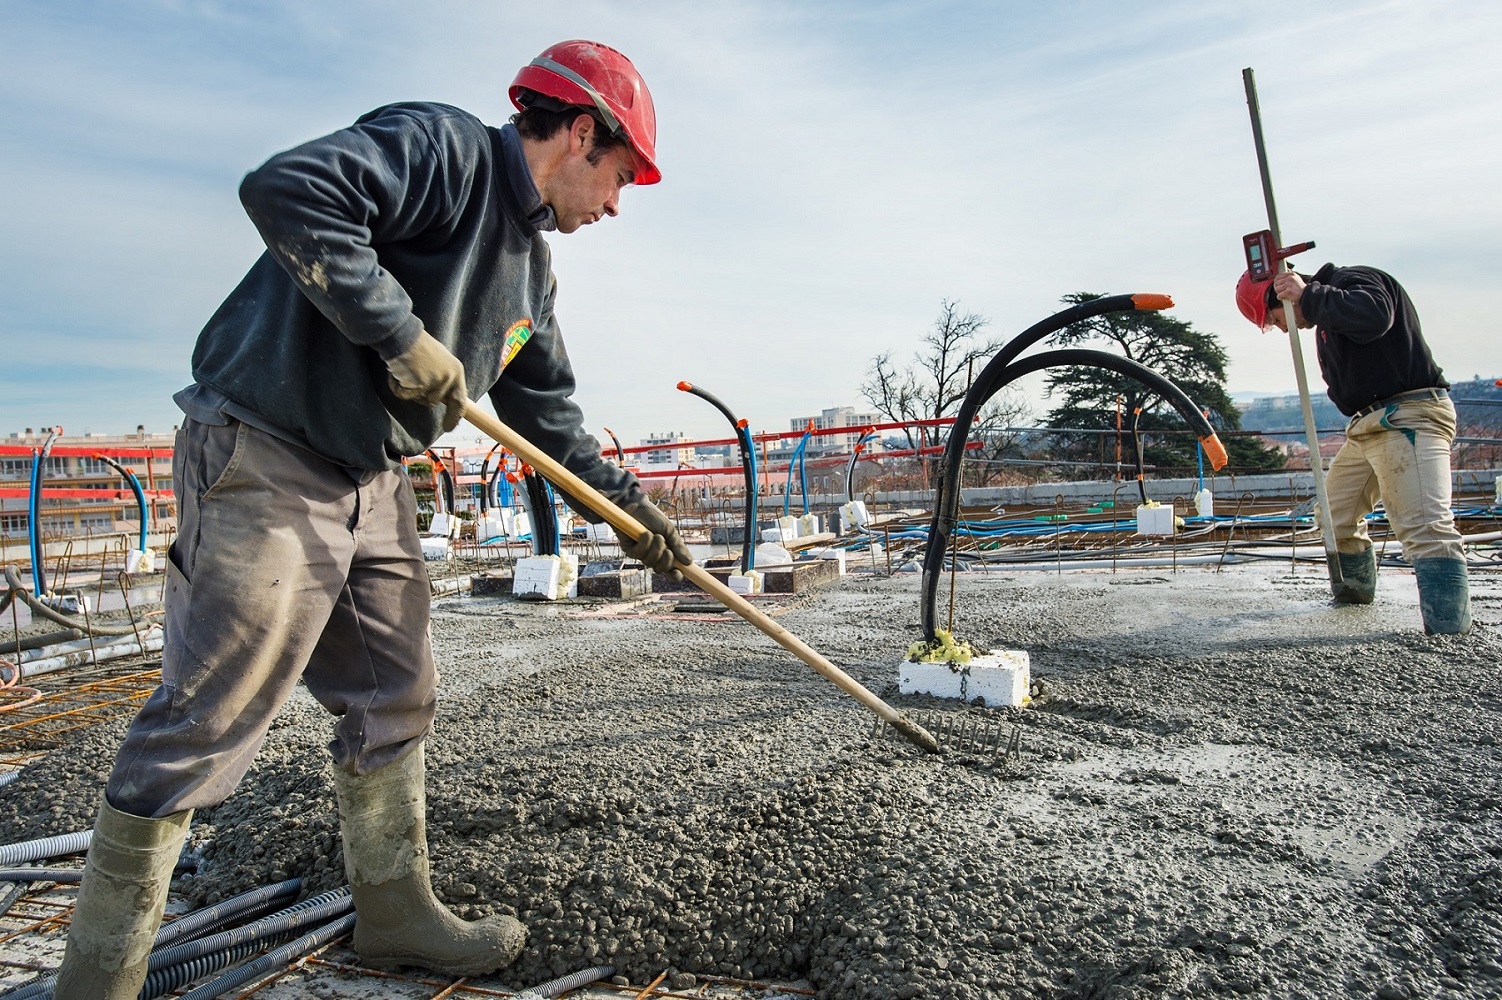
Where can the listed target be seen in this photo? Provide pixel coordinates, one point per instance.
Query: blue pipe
(135, 485)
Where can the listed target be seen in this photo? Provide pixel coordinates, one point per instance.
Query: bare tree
(932, 384)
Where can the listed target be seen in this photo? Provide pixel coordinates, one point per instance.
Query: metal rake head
(996, 740)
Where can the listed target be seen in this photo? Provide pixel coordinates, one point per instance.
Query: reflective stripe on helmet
(611, 122)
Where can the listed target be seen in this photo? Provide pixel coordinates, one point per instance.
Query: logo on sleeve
(516, 339)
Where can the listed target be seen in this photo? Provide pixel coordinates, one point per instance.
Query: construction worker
(405, 271)
(1380, 374)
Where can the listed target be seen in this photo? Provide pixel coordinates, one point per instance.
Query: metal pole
(1316, 462)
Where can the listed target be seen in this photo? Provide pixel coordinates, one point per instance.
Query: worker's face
(584, 192)
(1278, 318)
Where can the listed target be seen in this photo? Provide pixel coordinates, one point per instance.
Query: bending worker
(405, 271)
(1380, 374)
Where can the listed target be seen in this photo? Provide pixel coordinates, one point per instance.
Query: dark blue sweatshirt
(419, 216)
(1367, 335)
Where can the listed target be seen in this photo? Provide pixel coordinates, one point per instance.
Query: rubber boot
(1444, 595)
(1358, 578)
(120, 904)
(398, 920)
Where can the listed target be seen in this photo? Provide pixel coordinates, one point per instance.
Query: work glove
(660, 548)
(427, 373)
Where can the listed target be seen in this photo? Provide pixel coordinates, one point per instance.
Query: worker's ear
(581, 133)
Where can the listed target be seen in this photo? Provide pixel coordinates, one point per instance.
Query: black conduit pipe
(545, 527)
(748, 468)
(273, 960)
(192, 925)
(994, 377)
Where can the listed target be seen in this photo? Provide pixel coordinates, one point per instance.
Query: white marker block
(1000, 678)
(435, 547)
(1156, 519)
(536, 577)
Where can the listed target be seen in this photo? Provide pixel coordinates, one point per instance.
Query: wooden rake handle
(628, 526)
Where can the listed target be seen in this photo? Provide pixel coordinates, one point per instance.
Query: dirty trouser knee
(1358, 572)
(1444, 595)
(120, 904)
(270, 575)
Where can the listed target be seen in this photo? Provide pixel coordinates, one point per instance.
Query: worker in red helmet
(1381, 375)
(406, 271)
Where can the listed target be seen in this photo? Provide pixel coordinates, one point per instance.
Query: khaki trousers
(284, 569)
(1401, 455)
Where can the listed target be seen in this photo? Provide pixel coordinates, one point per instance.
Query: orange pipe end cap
(1152, 300)
(685, 387)
(1215, 452)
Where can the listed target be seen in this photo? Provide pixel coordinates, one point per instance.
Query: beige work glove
(427, 373)
(660, 548)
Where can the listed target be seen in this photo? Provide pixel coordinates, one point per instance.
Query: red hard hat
(592, 75)
(1251, 298)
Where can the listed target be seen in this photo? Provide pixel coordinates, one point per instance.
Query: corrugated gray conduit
(273, 960)
(169, 968)
(46, 847)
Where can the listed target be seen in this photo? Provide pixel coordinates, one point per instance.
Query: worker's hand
(1289, 286)
(427, 373)
(660, 547)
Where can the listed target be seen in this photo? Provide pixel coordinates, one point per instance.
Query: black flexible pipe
(855, 456)
(135, 485)
(544, 516)
(486, 480)
(192, 925)
(946, 505)
(748, 468)
(620, 453)
(554, 988)
(17, 589)
(273, 960)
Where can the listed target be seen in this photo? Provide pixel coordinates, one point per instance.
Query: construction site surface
(1222, 785)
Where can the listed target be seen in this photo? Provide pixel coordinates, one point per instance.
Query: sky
(832, 173)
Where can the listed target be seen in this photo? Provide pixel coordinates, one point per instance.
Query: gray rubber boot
(120, 904)
(398, 920)
(1444, 595)
(1358, 578)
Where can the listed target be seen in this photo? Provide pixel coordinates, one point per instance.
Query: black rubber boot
(120, 904)
(1358, 578)
(1444, 595)
(398, 920)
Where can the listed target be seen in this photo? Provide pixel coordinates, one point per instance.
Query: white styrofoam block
(936, 679)
(1204, 503)
(492, 526)
(442, 525)
(140, 561)
(789, 528)
(853, 515)
(1155, 519)
(834, 555)
(601, 532)
(436, 547)
(536, 576)
(1000, 677)
(521, 524)
(568, 575)
(774, 536)
(745, 583)
(809, 524)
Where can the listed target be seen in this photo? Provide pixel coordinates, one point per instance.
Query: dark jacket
(419, 216)
(1367, 334)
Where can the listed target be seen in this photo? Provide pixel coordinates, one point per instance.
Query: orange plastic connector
(685, 387)
(1214, 451)
(1152, 300)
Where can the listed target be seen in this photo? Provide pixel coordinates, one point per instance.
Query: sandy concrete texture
(1226, 786)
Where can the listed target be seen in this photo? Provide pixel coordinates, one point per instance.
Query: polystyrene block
(442, 524)
(140, 561)
(435, 547)
(999, 677)
(1155, 519)
(536, 576)
(747, 583)
(853, 515)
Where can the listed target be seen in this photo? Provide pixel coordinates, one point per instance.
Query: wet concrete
(1225, 786)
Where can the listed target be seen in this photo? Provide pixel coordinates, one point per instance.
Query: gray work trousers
(283, 569)
(1399, 454)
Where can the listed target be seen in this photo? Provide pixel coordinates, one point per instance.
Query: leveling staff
(405, 261)
(1397, 450)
